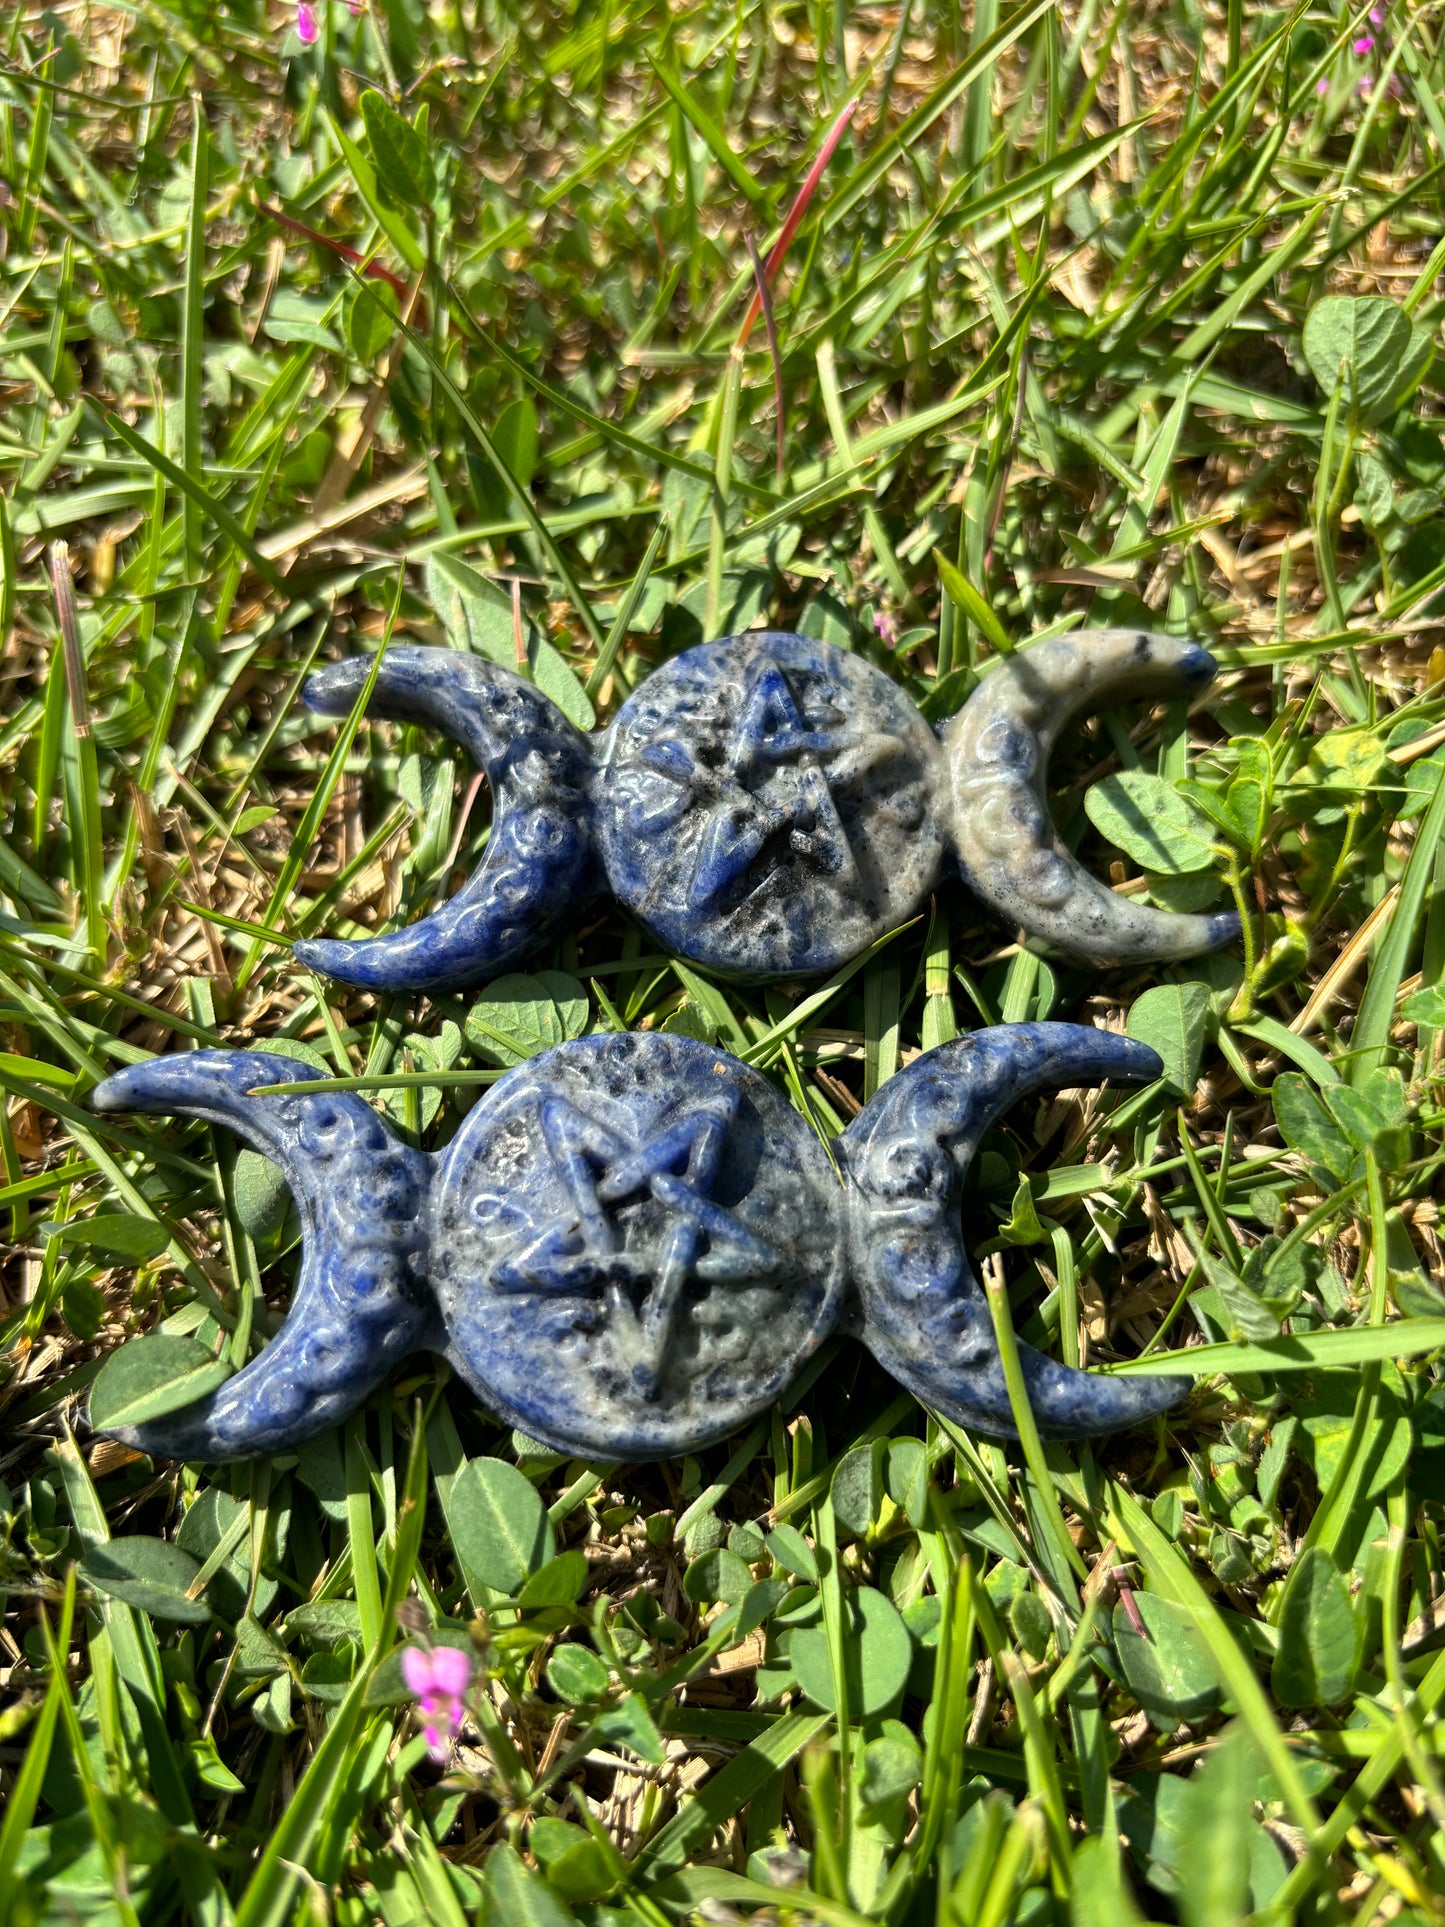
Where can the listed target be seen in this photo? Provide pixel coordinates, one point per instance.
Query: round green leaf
(148, 1574)
(879, 1653)
(1422, 779)
(515, 438)
(857, 1490)
(1373, 339)
(629, 1723)
(792, 1552)
(1147, 818)
(294, 1047)
(575, 1864)
(892, 1766)
(718, 1574)
(1166, 1670)
(1172, 1019)
(117, 1234)
(1306, 1126)
(398, 152)
(576, 1673)
(519, 1016)
(499, 1524)
(477, 616)
(325, 1621)
(747, 1541)
(517, 1895)
(1187, 893)
(261, 1193)
(327, 1676)
(1319, 1635)
(1032, 1627)
(758, 1603)
(371, 315)
(559, 1583)
(252, 818)
(151, 1376)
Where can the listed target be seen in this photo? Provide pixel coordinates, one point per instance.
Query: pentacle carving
(767, 805)
(632, 1260)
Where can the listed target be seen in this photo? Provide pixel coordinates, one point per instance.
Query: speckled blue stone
(633, 1244)
(767, 806)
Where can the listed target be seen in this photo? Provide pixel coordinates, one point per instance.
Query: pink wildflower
(1377, 16)
(1322, 87)
(886, 626)
(1364, 45)
(307, 31)
(439, 1678)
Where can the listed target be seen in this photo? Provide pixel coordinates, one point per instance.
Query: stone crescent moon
(360, 1302)
(539, 861)
(921, 1311)
(1008, 851)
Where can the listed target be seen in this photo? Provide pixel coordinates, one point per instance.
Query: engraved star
(582, 1254)
(794, 796)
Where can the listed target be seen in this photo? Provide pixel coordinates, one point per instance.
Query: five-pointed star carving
(801, 769)
(581, 1253)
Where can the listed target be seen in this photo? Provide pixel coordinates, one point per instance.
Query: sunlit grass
(1066, 328)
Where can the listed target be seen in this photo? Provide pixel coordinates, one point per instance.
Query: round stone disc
(636, 1244)
(766, 805)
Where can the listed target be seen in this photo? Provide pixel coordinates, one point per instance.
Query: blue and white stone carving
(633, 1244)
(766, 806)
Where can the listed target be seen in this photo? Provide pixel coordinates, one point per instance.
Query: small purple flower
(439, 1677)
(1364, 45)
(1377, 16)
(307, 30)
(886, 626)
(1322, 87)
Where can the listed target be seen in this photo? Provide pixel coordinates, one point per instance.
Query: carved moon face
(766, 805)
(1008, 850)
(636, 1246)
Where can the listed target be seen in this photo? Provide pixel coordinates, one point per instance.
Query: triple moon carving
(633, 1245)
(766, 806)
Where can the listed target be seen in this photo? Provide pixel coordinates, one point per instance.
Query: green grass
(1063, 335)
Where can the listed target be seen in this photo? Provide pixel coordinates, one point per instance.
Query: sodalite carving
(766, 806)
(633, 1244)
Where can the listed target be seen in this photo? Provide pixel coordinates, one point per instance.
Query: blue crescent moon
(539, 865)
(923, 1313)
(361, 1301)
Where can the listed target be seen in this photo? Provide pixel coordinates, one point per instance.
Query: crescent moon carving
(998, 750)
(360, 1302)
(539, 861)
(923, 1313)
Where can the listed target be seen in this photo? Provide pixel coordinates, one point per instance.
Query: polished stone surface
(539, 863)
(633, 1244)
(998, 756)
(767, 806)
(646, 1220)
